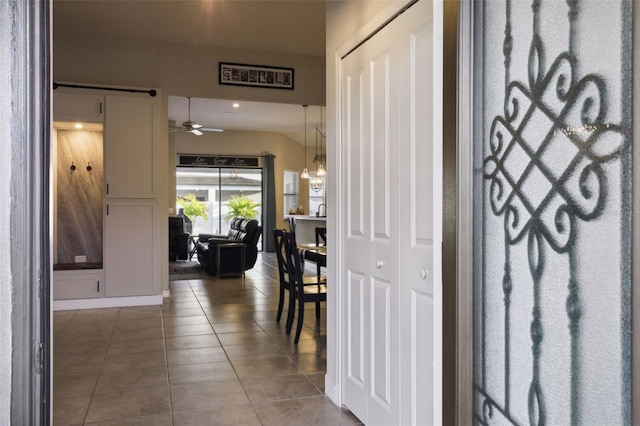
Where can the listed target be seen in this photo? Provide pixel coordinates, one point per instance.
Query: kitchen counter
(305, 217)
(306, 227)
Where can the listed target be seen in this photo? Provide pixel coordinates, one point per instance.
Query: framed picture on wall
(255, 76)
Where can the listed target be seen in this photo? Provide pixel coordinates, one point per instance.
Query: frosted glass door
(552, 246)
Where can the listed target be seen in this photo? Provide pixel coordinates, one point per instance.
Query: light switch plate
(81, 259)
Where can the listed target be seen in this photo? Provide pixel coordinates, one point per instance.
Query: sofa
(233, 253)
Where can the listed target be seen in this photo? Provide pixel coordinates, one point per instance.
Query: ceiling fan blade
(193, 127)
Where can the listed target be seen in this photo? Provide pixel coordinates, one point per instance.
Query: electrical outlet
(170, 210)
(81, 259)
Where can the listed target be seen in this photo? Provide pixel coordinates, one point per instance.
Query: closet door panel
(356, 290)
(355, 151)
(371, 246)
(381, 154)
(420, 241)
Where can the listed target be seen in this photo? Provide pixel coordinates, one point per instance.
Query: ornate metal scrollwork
(545, 170)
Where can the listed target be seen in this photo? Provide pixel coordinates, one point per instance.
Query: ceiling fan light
(196, 132)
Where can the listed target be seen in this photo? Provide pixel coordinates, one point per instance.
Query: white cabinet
(76, 107)
(131, 250)
(131, 129)
(131, 256)
(78, 284)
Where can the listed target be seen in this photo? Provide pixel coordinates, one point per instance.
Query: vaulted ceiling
(293, 26)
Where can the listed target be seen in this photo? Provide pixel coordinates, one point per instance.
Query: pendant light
(323, 158)
(305, 172)
(315, 182)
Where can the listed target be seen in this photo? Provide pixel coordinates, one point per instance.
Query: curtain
(270, 204)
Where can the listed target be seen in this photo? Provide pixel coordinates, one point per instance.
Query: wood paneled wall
(79, 196)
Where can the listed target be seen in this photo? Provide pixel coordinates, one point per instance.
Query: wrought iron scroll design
(558, 114)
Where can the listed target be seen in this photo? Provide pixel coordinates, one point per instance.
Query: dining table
(314, 253)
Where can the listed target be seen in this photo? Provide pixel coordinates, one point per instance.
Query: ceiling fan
(193, 127)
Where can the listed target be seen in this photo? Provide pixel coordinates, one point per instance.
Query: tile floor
(212, 354)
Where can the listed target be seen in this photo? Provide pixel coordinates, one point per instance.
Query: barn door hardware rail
(151, 92)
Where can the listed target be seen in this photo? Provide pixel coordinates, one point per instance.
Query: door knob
(424, 274)
(379, 263)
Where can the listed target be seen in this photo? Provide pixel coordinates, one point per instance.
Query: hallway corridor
(212, 354)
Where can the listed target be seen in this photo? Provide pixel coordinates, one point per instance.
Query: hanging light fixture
(321, 170)
(317, 182)
(323, 158)
(305, 172)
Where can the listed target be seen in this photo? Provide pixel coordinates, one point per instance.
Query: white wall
(180, 70)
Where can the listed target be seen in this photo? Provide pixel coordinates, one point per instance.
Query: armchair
(230, 254)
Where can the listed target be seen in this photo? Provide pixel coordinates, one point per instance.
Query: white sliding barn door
(391, 217)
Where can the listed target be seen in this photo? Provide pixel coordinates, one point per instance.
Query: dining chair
(299, 290)
(321, 235)
(292, 224)
(283, 275)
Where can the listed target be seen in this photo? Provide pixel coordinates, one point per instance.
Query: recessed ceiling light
(78, 126)
(236, 105)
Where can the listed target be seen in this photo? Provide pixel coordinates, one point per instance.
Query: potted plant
(242, 206)
(193, 208)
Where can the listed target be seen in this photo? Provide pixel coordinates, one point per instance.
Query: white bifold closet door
(391, 193)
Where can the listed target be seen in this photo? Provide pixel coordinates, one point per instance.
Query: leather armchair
(244, 231)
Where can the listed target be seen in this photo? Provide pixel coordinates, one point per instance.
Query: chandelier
(316, 183)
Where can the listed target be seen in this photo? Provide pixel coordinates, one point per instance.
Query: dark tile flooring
(212, 354)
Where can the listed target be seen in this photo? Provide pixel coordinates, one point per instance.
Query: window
(316, 195)
(215, 186)
(290, 191)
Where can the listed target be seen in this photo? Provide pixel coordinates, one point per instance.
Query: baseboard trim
(106, 302)
(330, 390)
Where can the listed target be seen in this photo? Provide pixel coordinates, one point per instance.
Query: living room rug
(185, 270)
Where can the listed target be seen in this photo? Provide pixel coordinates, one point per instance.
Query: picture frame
(255, 76)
